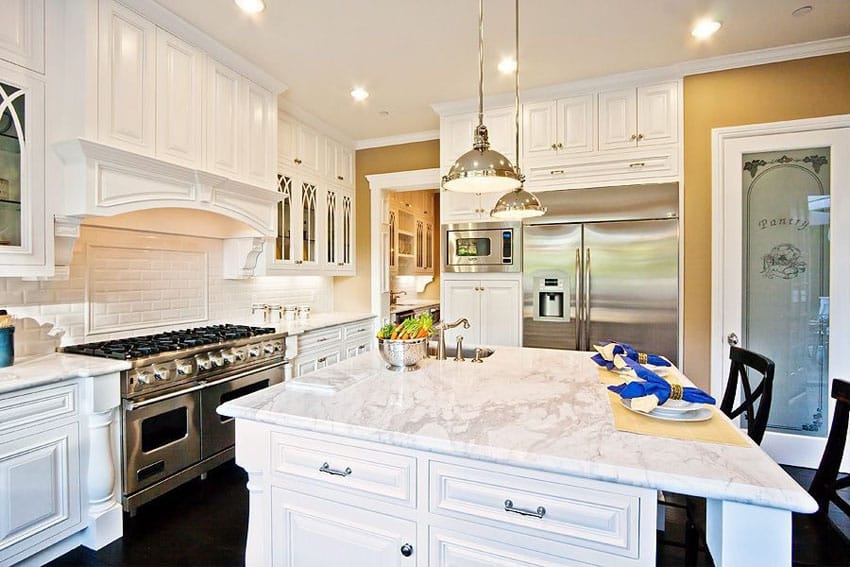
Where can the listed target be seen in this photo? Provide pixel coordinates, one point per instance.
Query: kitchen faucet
(443, 327)
(394, 295)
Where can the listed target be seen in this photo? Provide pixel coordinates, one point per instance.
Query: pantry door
(780, 230)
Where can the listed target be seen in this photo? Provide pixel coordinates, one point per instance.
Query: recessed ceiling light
(383, 113)
(359, 94)
(802, 11)
(251, 6)
(507, 65)
(705, 29)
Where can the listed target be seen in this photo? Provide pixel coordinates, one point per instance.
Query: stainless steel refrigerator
(603, 264)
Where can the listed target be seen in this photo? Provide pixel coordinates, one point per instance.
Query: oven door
(217, 431)
(161, 437)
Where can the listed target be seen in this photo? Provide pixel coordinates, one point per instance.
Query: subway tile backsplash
(125, 283)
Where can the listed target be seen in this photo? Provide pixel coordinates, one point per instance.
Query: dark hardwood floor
(205, 523)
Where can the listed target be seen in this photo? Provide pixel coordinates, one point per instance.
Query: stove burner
(169, 341)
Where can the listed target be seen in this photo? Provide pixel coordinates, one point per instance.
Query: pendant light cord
(516, 89)
(480, 62)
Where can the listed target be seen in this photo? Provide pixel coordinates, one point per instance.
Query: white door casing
(728, 146)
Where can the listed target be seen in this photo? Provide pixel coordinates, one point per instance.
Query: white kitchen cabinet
(25, 234)
(339, 163)
(492, 306)
(457, 134)
(259, 119)
(323, 347)
(307, 527)
(466, 207)
(179, 100)
(126, 79)
(346, 257)
(307, 363)
(22, 33)
(299, 146)
(39, 474)
(224, 119)
(563, 126)
(643, 116)
(299, 223)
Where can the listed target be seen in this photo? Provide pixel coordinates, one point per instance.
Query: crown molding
(670, 72)
(412, 137)
(302, 115)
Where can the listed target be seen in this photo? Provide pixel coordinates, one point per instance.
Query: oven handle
(130, 405)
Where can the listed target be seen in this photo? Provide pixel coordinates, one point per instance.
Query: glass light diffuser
(516, 205)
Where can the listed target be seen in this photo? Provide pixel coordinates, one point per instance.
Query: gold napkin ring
(676, 391)
(642, 357)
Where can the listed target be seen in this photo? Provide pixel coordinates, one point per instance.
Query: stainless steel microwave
(482, 247)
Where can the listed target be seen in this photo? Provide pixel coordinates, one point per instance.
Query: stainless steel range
(170, 430)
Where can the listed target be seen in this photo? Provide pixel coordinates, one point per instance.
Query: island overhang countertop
(540, 409)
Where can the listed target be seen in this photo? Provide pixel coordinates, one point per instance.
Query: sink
(468, 352)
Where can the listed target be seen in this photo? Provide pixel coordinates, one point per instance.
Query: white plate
(700, 414)
(660, 370)
(677, 406)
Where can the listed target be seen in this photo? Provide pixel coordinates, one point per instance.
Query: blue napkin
(626, 351)
(655, 384)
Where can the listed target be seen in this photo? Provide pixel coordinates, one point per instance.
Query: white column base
(104, 527)
(742, 534)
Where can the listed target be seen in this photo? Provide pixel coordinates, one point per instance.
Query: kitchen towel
(607, 350)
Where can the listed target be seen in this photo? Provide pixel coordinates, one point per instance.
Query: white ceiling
(411, 53)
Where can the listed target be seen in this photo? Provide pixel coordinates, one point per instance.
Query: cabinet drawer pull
(637, 164)
(298, 161)
(556, 172)
(323, 339)
(322, 360)
(339, 177)
(509, 507)
(406, 550)
(326, 468)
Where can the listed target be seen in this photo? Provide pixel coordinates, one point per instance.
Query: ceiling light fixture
(517, 204)
(251, 6)
(359, 94)
(481, 170)
(705, 29)
(507, 65)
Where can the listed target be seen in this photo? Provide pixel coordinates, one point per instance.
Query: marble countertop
(409, 304)
(315, 321)
(534, 408)
(55, 367)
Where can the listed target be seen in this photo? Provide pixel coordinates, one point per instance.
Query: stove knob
(268, 348)
(278, 346)
(217, 360)
(254, 351)
(240, 354)
(160, 373)
(183, 368)
(229, 356)
(143, 377)
(204, 362)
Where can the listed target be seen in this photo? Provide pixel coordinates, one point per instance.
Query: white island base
(500, 463)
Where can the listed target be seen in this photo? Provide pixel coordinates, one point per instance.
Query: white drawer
(358, 330)
(357, 348)
(36, 406)
(351, 469)
(320, 339)
(576, 512)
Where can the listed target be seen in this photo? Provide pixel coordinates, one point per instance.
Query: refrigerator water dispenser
(551, 298)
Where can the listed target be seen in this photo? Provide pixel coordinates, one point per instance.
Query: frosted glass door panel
(786, 280)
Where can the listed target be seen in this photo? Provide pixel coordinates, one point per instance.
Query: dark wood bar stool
(826, 484)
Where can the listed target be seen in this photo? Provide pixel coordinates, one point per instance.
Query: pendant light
(481, 169)
(518, 204)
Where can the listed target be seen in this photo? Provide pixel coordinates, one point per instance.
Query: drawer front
(358, 331)
(347, 468)
(577, 512)
(34, 407)
(321, 339)
(654, 164)
(354, 349)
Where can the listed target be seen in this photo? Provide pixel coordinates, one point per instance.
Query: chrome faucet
(394, 295)
(443, 327)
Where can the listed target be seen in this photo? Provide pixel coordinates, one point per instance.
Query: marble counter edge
(55, 367)
(317, 322)
(707, 488)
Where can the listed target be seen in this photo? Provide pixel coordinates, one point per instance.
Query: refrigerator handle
(587, 299)
(578, 299)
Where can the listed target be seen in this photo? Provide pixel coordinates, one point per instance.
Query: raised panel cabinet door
(456, 136)
(658, 114)
(22, 33)
(287, 132)
(258, 125)
(539, 136)
(500, 312)
(224, 119)
(617, 119)
(450, 548)
(462, 298)
(344, 165)
(39, 476)
(179, 102)
(330, 151)
(459, 207)
(304, 529)
(575, 124)
(126, 79)
(501, 129)
(309, 150)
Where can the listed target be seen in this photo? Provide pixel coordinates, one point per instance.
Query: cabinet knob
(560, 146)
(298, 161)
(640, 137)
(406, 550)
(339, 177)
(554, 146)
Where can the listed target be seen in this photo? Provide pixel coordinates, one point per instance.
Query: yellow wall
(352, 293)
(805, 88)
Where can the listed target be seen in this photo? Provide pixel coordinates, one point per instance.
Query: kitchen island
(512, 461)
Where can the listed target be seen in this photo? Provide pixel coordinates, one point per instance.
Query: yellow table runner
(715, 430)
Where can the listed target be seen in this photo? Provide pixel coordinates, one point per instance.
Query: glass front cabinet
(23, 230)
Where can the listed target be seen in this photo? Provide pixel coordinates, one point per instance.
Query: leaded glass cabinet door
(285, 243)
(782, 273)
(346, 259)
(309, 220)
(23, 231)
(331, 221)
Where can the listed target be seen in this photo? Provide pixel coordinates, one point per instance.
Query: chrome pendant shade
(516, 205)
(481, 169)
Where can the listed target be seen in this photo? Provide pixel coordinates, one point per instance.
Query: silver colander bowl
(402, 355)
